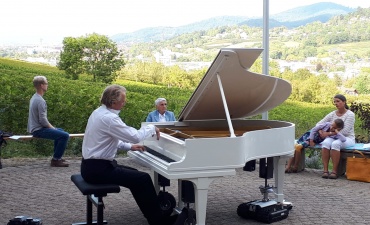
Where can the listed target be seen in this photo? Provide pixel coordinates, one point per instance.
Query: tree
(102, 58)
(71, 57)
(94, 54)
(362, 82)
(319, 67)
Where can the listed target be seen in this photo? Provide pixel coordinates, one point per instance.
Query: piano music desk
(344, 153)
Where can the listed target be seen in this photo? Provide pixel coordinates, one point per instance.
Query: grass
(25, 148)
(355, 48)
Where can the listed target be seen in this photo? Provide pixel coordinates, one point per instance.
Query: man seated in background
(39, 125)
(161, 114)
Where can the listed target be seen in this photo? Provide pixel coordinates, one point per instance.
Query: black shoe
(58, 163)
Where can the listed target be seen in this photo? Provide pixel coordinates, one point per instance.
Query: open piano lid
(246, 93)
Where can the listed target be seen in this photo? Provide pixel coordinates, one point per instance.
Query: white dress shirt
(106, 133)
(162, 117)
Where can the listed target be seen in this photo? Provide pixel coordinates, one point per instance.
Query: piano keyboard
(158, 155)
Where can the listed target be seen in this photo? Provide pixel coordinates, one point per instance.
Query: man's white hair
(159, 100)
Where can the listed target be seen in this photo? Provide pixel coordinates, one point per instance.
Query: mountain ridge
(291, 18)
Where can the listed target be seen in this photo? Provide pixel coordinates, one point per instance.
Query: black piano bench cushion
(98, 190)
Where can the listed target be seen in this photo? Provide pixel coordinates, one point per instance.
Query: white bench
(344, 154)
(29, 137)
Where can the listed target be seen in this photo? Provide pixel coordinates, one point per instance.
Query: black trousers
(100, 171)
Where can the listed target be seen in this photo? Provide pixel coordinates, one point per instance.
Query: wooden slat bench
(344, 153)
(29, 137)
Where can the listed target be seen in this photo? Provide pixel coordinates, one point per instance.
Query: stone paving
(35, 189)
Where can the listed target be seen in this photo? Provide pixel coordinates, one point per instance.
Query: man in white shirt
(105, 134)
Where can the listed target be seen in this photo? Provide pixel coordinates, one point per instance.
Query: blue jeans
(304, 139)
(59, 136)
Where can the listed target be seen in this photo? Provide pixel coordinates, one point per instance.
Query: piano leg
(201, 186)
(279, 173)
(154, 176)
(180, 203)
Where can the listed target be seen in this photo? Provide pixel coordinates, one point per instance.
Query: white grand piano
(212, 136)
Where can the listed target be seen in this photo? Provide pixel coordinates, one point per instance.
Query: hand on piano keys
(137, 147)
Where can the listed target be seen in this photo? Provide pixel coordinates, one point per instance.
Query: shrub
(313, 160)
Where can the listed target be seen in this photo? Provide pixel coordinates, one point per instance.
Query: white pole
(265, 56)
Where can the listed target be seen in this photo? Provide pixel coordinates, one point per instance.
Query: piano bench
(94, 195)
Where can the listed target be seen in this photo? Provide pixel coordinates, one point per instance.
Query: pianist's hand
(157, 132)
(136, 147)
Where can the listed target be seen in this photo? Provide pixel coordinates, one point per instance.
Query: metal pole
(265, 56)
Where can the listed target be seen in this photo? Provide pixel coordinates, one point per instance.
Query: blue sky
(30, 21)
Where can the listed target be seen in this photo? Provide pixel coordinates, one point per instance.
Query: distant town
(173, 45)
(50, 55)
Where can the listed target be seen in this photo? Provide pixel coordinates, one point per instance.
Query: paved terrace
(33, 188)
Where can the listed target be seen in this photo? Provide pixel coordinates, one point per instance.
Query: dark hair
(343, 99)
(339, 123)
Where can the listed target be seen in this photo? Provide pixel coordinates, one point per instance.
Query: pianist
(161, 114)
(106, 133)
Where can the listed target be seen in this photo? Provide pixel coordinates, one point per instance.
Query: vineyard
(70, 102)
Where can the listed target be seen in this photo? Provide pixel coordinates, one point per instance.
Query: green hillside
(70, 102)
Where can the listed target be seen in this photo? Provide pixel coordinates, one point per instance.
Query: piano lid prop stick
(231, 128)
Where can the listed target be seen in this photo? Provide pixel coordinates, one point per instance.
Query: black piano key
(158, 155)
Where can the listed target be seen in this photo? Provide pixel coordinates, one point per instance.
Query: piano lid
(246, 93)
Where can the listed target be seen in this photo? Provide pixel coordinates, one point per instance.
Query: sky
(49, 21)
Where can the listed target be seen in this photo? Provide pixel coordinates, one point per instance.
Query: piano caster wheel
(166, 202)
